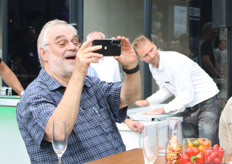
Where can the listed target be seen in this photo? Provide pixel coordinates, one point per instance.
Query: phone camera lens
(116, 42)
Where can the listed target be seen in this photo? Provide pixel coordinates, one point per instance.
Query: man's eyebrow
(59, 36)
(145, 55)
(63, 36)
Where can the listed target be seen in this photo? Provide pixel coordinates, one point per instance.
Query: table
(132, 139)
(134, 156)
(9, 100)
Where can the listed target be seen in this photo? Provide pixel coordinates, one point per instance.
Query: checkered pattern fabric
(95, 134)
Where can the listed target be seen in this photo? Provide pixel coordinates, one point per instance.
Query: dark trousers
(202, 120)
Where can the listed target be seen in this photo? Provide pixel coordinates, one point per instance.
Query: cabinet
(13, 149)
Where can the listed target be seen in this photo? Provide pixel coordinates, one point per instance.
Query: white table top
(135, 114)
(9, 100)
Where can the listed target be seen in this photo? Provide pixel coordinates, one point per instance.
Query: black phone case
(110, 47)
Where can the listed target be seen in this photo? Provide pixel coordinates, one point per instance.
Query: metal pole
(229, 63)
(4, 33)
(4, 30)
(147, 32)
(76, 15)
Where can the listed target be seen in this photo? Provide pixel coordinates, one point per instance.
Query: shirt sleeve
(113, 98)
(225, 120)
(35, 113)
(159, 97)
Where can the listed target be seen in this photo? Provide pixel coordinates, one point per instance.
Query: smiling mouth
(71, 58)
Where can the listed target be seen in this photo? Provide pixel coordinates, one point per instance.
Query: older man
(62, 91)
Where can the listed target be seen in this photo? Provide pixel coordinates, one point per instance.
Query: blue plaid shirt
(95, 134)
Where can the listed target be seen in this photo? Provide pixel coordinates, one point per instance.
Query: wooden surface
(134, 156)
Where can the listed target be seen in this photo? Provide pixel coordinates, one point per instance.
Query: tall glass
(3, 91)
(59, 138)
(174, 149)
(163, 139)
(9, 91)
(150, 143)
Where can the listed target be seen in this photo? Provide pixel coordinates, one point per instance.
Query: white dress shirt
(180, 76)
(107, 69)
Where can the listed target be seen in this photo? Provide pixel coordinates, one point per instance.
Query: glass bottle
(174, 148)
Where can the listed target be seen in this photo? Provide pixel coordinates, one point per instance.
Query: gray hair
(103, 35)
(43, 36)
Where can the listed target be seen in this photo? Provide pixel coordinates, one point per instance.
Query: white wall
(114, 17)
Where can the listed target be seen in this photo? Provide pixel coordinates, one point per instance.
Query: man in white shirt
(194, 91)
(108, 70)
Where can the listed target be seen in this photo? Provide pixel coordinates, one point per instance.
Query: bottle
(174, 148)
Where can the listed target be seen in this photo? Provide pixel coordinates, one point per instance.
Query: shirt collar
(54, 84)
(161, 64)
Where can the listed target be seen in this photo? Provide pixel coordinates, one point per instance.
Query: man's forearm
(11, 80)
(131, 89)
(68, 108)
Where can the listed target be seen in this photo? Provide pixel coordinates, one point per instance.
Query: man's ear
(43, 54)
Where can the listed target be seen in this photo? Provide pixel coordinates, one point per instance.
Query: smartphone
(110, 47)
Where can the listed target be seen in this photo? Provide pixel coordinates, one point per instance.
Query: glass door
(177, 26)
(25, 20)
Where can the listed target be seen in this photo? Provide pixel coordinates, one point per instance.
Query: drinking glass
(3, 91)
(59, 138)
(163, 138)
(150, 143)
(9, 91)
